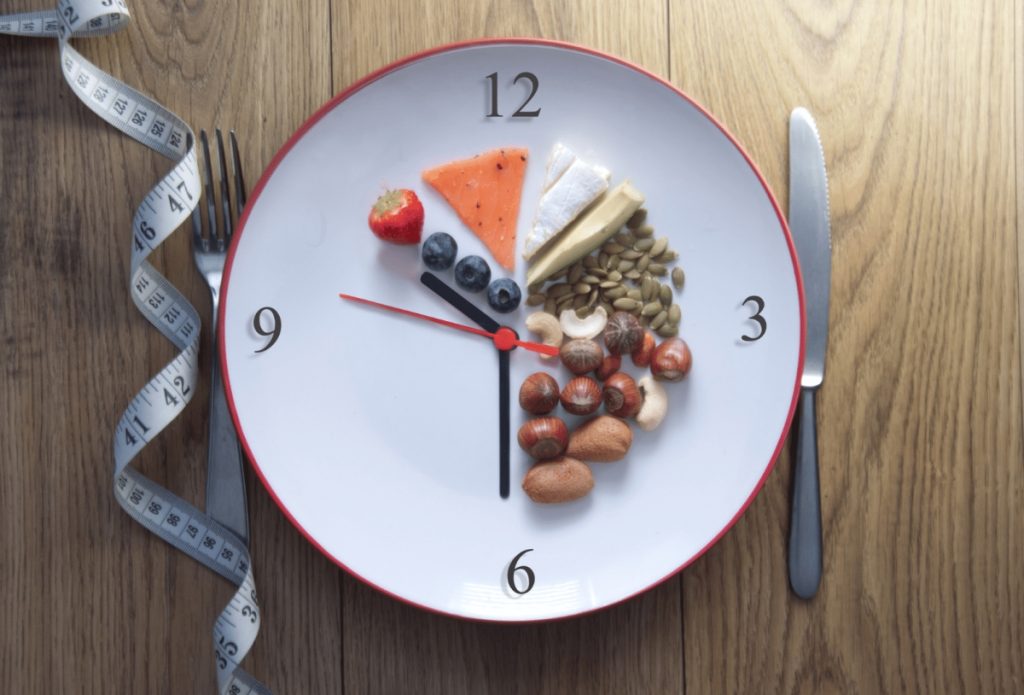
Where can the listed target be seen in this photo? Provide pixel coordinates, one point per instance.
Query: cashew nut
(655, 406)
(589, 327)
(546, 326)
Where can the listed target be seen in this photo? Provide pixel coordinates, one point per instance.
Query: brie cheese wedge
(570, 186)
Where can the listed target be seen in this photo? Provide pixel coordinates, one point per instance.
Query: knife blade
(811, 229)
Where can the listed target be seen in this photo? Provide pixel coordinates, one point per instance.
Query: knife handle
(805, 521)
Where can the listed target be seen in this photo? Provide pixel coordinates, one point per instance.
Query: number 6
(511, 574)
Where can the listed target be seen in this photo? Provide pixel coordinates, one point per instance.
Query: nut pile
(630, 272)
(560, 473)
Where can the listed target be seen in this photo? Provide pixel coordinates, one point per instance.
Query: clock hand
(441, 289)
(504, 428)
(504, 338)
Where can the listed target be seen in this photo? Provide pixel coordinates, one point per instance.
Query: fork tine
(225, 193)
(211, 206)
(197, 215)
(236, 163)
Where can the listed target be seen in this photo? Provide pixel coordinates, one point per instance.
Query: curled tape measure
(162, 211)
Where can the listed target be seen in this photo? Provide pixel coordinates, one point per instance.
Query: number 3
(757, 318)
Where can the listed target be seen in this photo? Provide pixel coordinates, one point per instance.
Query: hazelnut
(642, 354)
(581, 396)
(609, 366)
(623, 334)
(539, 394)
(621, 396)
(671, 360)
(581, 355)
(544, 437)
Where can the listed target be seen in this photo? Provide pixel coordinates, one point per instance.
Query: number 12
(534, 83)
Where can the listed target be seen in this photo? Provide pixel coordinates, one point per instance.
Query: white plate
(378, 435)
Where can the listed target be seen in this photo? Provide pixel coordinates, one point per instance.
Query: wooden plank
(389, 647)
(99, 604)
(920, 416)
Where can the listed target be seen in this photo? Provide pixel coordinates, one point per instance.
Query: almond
(603, 439)
(559, 480)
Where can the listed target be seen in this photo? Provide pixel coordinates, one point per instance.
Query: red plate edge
(372, 77)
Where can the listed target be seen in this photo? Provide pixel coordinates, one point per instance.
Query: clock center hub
(505, 338)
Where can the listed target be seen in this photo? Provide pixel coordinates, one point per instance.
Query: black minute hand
(442, 290)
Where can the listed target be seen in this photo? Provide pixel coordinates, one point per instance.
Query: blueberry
(472, 273)
(504, 295)
(439, 251)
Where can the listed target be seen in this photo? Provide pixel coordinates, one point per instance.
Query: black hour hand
(470, 310)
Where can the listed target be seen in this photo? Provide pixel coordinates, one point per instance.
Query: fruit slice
(484, 191)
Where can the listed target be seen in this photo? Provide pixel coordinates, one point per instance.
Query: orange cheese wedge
(484, 191)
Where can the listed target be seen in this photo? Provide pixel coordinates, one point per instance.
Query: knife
(809, 224)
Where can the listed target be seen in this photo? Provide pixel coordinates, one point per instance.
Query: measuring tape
(162, 211)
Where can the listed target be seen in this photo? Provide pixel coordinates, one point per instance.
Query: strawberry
(397, 217)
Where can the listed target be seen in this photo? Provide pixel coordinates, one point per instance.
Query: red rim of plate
(373, 77)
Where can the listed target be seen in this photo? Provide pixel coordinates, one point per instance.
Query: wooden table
(921, 106)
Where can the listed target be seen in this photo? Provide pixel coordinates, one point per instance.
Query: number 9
(275, 326)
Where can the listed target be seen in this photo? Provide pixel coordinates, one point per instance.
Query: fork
(225, 477)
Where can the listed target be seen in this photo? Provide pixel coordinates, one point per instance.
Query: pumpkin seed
(536, 287)
(659, 247)
(581, 288)
(559, 290)
(643, 262)
(584, 312)
(589, 262)
(644, 232)
(559, 275)
(613, 262)
(625, 266)
(626, 304)
(550, 306)
(608, 284)
(659, 320)
(536, 299)
(675, 314)
(612, 248)
(565, 303)
(678, 277)
(614, 275)
(575, 273)
(651, 309)
(615, 293)
(599, 272)
(602, 259)
(668, 330)
(668, 257)
(645, 288)
(631, 255)
(657, 269)
(633, 274)
(635, 294)
(644, 244)
(665, 295)
(590, 279)
(607, 306)
(595, 294)
(637, 218)
(579, 301)
(625, 238)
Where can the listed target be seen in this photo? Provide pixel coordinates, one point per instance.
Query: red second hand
(504, 338)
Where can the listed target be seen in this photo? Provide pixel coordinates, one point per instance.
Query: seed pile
(630, 272)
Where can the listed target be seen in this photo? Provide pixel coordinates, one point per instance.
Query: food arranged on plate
(604, 289)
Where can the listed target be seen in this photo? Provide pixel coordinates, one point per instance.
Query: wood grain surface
(921, 109)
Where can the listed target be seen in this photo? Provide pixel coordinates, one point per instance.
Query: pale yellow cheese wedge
(604, 218)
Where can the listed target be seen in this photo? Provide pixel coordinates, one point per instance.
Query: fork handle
(805, 520)
(225, 476)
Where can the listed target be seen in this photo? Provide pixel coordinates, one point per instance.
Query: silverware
(809, 223)
(225, 477)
